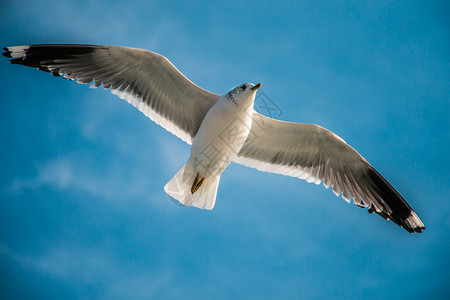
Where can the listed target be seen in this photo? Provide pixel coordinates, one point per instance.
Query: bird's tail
(180, 188)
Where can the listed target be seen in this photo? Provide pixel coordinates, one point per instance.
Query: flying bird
(221, 128)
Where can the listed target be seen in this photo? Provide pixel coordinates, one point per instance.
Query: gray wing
(313, 153)
(145, 79)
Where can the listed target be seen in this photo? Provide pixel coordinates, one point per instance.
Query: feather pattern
(317, 155)
(145, 79)
(153, 85)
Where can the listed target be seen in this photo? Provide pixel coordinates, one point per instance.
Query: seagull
(221, 128)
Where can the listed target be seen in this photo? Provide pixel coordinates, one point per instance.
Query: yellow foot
(197, 183)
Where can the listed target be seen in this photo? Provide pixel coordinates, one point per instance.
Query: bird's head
(243, 96)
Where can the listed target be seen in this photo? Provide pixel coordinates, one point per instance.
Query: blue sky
(83, 213)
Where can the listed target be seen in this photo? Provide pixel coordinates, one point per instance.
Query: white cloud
(58, 173)
(90, 266)
(76, 174)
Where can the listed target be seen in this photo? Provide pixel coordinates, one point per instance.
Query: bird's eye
(243, 87)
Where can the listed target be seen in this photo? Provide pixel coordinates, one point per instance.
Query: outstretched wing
(145, 79)
(313, 153)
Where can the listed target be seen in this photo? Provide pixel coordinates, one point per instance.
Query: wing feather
(145, 79)
(317, 155)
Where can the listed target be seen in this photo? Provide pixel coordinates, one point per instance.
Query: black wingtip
(33, 55)
(400, 210)
(16, 61)
(397, 209)
(419, 229)
(415, 230)
(7, 53)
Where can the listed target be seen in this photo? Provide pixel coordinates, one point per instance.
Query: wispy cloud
(75, 174)
(349, 68)
(90, 266)
(58, 173)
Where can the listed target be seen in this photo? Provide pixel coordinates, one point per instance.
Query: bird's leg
(197, 183)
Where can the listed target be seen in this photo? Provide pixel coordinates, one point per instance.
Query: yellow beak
(256, 87)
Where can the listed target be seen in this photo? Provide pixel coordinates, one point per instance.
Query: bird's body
(217, 143)
(221, 129)
(221, 135)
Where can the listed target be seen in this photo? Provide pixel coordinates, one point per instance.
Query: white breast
(221, 136)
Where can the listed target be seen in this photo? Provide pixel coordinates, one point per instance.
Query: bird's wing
(313, 153)
(145, 79)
